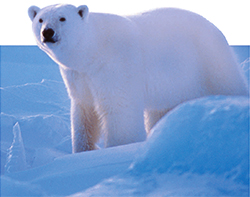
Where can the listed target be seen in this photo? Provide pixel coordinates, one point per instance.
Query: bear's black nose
(48, 33)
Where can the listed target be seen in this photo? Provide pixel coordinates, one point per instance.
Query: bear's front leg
(85, 129)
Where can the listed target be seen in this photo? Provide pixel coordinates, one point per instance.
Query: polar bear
(124, 73)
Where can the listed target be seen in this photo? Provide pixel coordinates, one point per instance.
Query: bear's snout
(48, 35)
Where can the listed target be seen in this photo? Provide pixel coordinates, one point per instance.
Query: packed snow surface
(200, 148)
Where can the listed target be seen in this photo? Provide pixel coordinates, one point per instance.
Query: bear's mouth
(49, 40)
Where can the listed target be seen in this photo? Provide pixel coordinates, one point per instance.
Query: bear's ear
(33, 10)
(83, 11)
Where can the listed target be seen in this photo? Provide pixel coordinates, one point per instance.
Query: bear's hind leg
(151, 117)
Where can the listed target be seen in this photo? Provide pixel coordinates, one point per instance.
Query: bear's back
(171, 25)
(180, 51)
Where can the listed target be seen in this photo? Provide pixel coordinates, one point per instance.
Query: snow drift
(200, 148)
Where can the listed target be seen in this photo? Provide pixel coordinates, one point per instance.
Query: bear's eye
(40, 20)
(62, 19)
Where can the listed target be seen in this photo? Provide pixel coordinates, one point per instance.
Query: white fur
(122, 71)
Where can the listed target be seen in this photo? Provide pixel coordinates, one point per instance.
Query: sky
(231, 17)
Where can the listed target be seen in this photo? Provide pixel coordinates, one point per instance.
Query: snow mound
(200, 148)
(203, 136)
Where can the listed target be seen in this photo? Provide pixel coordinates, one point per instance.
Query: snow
(201, 148)
(201, 144)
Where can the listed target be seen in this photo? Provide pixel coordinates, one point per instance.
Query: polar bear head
(56, 25)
